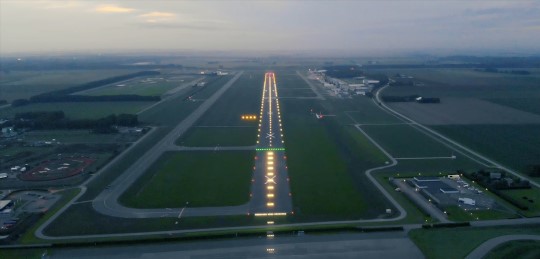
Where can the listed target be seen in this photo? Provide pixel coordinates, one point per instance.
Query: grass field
(204, 179)
(165, 115)
(24, 84)
(94, 223)
(361, 110)
(528, 104)
(79, 110)
(219, 136)
(524, 249)
(406, 141)
(515, 146)
(295, 92)
(527, 197)
(244, 97)
(458, 242)
(22, 253)
(457, 214)
(324, 159)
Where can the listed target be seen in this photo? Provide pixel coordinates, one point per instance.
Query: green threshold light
(271, 149)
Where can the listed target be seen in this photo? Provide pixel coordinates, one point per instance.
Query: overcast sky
(342, 26)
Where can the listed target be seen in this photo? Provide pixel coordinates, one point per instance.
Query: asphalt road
(454, 145)
(270, 167)
(107, 201)
(315, 89)
(373, 245)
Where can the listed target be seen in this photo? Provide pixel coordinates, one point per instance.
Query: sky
(268, 26)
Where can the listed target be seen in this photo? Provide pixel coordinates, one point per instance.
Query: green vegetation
(23, 253)
(324, 158)
(456, 213)
(24, 84)
(526, 197)
(244, 97)
(71, 136)
(166, 115)
(80, 110)
(466, 83)
(204, 179)
(219, 136)
(524, 249)
(295, 92)
(149, 86)
(69, 223)
(67, 195)
(513, 145)
(406, 141)
(459, 242)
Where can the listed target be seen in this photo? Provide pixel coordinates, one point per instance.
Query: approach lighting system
(249, 117)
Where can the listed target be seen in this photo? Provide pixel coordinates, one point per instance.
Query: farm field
(466, 83)
(442, 242)
(24, 84)
(464, 111)
(79, 110)
(515, 146)
(531, 105)
(204, 179)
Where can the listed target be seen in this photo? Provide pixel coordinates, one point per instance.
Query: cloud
(113, 9)
(158, 15)
(60, 5)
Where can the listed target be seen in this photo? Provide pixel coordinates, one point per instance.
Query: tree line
(66, 95)
(57, 120)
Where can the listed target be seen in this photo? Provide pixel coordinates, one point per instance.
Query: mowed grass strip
(204, 179)
(321, 170)
(219, 136)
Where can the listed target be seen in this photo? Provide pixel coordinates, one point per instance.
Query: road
(313, 87)
(173, 93)
(402, 212)
(487, 246)
(107, 201)
(372, 245)
(454, 145)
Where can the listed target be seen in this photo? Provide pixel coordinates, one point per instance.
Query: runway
(270, 189)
